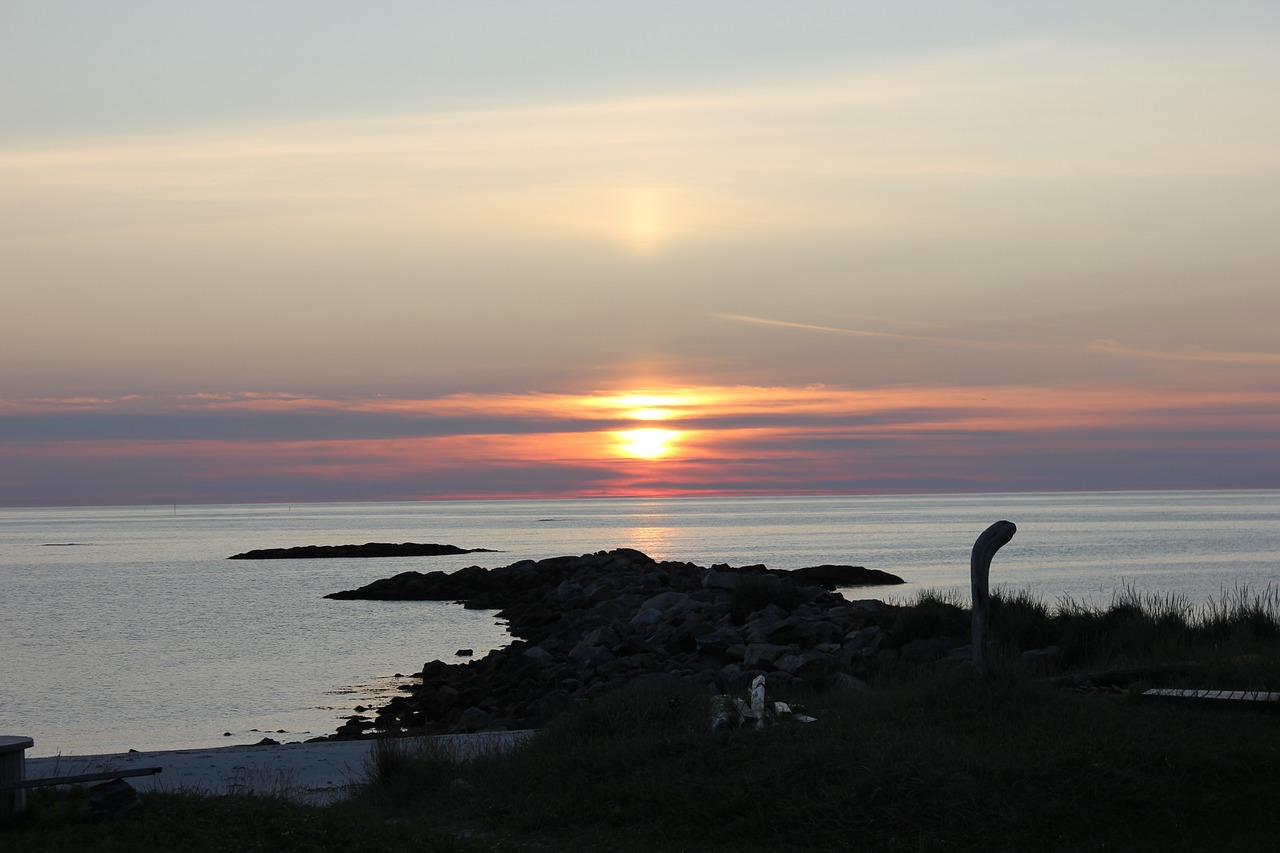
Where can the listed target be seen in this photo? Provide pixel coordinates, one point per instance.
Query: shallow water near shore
(127, 627)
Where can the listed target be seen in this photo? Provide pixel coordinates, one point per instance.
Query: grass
(939, 761)
(947, 763)
(1133, 629)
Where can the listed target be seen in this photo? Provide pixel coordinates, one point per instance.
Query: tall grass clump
(1023, 621)
(1138, 627)
(929, 614)
(1240, 616)
(1133, 628)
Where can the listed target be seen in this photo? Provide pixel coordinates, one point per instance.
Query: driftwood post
(991, 540)
(757, 700)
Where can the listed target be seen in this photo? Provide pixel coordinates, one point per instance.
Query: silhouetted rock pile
(586, 625)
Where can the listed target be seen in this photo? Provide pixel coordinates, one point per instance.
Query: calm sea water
(127, 627)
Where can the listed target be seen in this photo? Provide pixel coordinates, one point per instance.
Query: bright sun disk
(646, 443)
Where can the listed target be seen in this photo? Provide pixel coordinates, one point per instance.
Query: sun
(648, 443)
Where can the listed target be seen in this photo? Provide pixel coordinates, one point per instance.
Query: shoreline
(316, 773)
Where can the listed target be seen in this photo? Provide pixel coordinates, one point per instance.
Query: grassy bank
(926, 760)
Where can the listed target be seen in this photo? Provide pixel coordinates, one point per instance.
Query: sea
(128, 628)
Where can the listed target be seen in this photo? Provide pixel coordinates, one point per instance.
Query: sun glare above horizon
(647, 443)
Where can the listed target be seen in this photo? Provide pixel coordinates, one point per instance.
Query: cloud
(692, 165)
(974, 342)
(721, 439)
(1111, 347)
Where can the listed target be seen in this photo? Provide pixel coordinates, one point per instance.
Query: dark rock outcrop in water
(586, 625)
(369, 549)
(833, 577)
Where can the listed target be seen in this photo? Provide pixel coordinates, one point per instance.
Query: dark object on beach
(369, 549)
(116, 797)
(464, 653)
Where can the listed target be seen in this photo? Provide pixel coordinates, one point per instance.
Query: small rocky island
(368, 549)
(586, 625)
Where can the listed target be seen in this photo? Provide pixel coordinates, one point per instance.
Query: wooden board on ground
(1218, 698)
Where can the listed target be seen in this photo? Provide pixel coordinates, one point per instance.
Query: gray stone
(474, 719)
(591, 655)
(539, 655)
(758, 653)
(647, 616)
(666, 601)
(845, 681)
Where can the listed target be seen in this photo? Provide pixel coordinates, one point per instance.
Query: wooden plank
(1216, 697)
(83, 777)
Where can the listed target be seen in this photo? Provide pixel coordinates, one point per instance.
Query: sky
(286, 251)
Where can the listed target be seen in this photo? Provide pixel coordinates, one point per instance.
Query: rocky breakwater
(586, 625)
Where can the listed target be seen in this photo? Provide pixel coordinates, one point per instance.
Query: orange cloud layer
(708, 440)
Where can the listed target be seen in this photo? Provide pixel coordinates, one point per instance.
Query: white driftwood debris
(757, 700)
(992, 539)
(727, 712)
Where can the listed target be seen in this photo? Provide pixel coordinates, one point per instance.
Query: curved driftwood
(992, 539)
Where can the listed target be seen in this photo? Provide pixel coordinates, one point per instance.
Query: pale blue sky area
(98, 66)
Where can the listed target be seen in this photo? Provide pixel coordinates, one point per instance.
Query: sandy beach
(315, 773)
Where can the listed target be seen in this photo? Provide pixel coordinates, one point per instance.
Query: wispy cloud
(975, 342)
(1208, 356)
(720, 160)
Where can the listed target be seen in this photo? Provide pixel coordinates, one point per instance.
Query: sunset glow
(647, 443)
(441, 251)
(712, 440)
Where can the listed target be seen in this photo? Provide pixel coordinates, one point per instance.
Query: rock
(369, 549)
(929, 650)
(763, 653)
(353, 728)
(845, 681)
(473, 720)
(592, 655)
(589, 624)
(650, 616)
(539, 655)
(831, 577)
(737, 581)
(464, 653)
(667, 601)
(116, 796)
(1046, 661)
